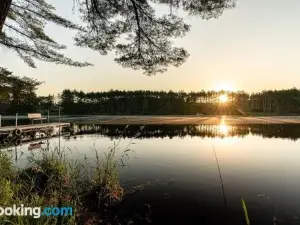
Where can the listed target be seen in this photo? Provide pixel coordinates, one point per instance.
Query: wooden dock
(32, 127)
(15, 135)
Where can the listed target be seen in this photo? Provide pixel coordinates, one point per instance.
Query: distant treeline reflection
(170, 131)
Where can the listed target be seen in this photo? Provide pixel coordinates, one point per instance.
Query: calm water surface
(178, 172)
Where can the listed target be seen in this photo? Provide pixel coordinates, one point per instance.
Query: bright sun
(223, 98)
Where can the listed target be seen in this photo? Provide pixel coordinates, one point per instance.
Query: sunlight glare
(223, 98)
(223, 128)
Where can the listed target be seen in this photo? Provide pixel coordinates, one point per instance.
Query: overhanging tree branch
(27, 20)
(140, 38)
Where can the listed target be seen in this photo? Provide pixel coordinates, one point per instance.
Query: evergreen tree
(131, 28)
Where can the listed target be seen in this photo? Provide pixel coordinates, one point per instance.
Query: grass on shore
(52, 180)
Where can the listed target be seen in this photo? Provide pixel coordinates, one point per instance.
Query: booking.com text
(35, 212)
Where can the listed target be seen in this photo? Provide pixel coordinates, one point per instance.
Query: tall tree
(20, 93)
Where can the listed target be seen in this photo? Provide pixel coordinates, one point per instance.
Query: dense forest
(18, 95)
(143, 102)
(179, 103)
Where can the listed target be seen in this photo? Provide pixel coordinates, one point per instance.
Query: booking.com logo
(35, 212)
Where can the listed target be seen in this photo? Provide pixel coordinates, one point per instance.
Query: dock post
(58, 114)
(0, 120)
(16, 119)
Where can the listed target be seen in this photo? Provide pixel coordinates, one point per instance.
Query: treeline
(140, 102)
(116, 102)
(18, 95)
(277, 101)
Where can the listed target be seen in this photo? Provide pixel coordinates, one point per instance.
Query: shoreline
(183, 120)
(168, 119)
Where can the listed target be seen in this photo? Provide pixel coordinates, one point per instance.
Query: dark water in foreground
(177, 175)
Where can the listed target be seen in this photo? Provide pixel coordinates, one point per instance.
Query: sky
(252, 47)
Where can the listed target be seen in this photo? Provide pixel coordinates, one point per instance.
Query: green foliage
(6, 170)
(6, 175)
(106, 178)
(6, 193)
(53, 180)
(244, 206)
(53, 166)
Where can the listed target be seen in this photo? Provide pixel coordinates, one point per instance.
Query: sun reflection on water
(223, 128)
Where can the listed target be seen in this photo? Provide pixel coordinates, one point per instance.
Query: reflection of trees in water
(162, 131)
(290, 131)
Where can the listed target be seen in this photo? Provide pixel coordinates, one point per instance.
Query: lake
(175, 171)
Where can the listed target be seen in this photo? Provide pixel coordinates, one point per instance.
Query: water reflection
(252, 166)
(222, 130)
(290, 132)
